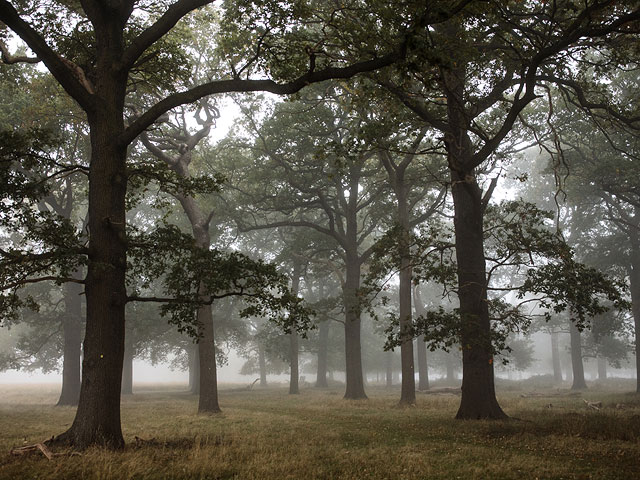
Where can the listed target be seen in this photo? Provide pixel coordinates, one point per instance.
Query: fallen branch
(442, 391)
(33, 448)
(593, 405)
(254, 382)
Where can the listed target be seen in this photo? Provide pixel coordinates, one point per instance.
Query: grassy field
(267, 434)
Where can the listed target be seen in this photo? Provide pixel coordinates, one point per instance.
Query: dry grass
(267, 434)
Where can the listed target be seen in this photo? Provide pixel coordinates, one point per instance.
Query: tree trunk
(194, 369)
(634, 280)
(353, 349)
(294, 371)
(72, 332)
(97, 420)
(602, 368)
(262, 365)
(478, 389)
(323, 346)
(389, 364)
(576, 359)
(127, 371)
(555, 356)
(451, 374)
(423, 372)
(208, 401)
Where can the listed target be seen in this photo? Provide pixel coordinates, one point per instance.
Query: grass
(267, 434)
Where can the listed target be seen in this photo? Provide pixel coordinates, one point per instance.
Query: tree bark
(323, 347)
(353, 349)
(262, 365)
(72, 333)
(555, 357)
(294, 371)
(127, 371)
(389, 369)
(634, 280)
(576, 359)
(602, 368)
(423, 372)
(208, 401)
(97, 420)
(194, 369)
(478, 388)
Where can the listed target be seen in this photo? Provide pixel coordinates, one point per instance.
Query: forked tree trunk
(262, 365)
(353, 351)
(555, 357)
(478, 388)
(97, 420)
(576, 359)
(72, 333)
(323, 346)
(127, 371)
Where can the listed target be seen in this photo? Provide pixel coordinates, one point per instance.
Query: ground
(268, 434)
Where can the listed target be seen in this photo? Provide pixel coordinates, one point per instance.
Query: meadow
(268, 434)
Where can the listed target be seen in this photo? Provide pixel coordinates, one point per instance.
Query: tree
(471, 81)
(116, 42)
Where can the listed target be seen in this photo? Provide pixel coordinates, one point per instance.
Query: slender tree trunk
(294, 371)
(602, 368)
(555, 357)
(97, 420)
(262, 364)
(634, 277)
(127, 371)
(72, 333)
(389, 364)
(478, 388)
(194, 369)
(576, 359)
(423, 372)
(323, 346)
(451, 373)
(353, 349)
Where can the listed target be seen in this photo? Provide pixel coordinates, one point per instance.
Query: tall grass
(268, 434)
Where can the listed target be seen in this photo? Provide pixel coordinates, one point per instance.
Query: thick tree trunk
(194, 369)
(576, 359)
(72, 333)
(555, 357)
(97, 420)
(353, 352)
(127, 371)
(208, 401)
(262, 365)
(323, 347)
(478, 389)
